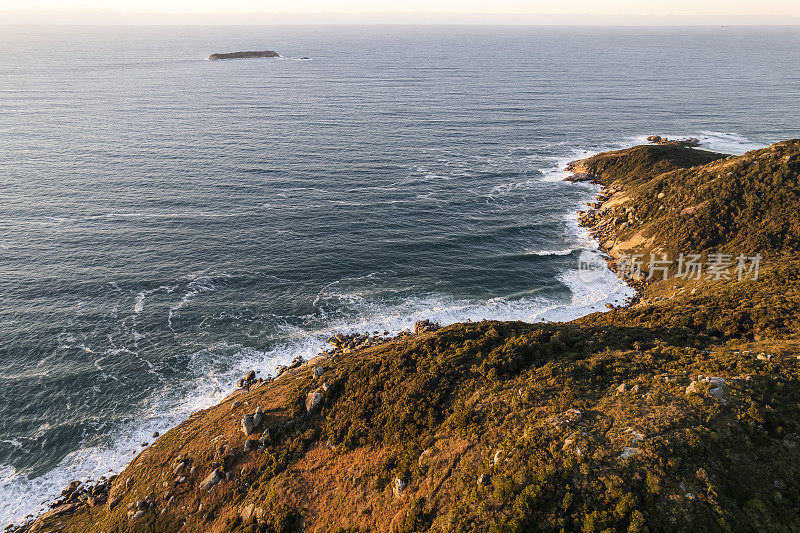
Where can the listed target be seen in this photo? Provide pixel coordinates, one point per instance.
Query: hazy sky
(497, 11)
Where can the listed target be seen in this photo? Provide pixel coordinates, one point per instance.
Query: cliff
(679, 413)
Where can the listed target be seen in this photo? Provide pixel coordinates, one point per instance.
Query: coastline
(585, 219)
(63, 504)
(596, 224)
(145, 436)
(672, 359)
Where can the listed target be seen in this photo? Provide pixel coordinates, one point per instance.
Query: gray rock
(718, 393)
(247, 512)
(716, 387)
(318, 371)
(425, 326)
(628, 451)
(258, 416)
(247, 424)
(398, 486)
(497, 456)
(313, 400)
(212, 479)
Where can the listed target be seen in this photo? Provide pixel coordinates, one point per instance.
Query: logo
(591, 266)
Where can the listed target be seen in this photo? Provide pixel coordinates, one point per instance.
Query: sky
(649, 12)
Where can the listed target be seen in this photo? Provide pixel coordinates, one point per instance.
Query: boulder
(247, 512)
(425, 326)
(398, 486)
(628, 451)
(57, 511)
(716, 387)
(313, 399)
(691, 142)
(581, 177)
(247, 424)
(212, 479)
(251, 422)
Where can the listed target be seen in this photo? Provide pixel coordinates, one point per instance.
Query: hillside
(679, 413)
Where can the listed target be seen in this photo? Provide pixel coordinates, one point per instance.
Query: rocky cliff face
(680, 413)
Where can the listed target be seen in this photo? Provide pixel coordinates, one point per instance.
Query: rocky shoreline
(650, 417)
(88, 494)
(601, 221)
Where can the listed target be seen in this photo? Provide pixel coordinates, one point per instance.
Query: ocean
(168, 222)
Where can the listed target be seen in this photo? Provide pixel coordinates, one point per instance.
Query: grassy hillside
(744, 204)
(679, 413)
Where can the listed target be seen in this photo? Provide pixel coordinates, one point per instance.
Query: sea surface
(168, 223)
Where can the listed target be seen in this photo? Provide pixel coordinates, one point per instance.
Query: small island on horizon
(245, 55)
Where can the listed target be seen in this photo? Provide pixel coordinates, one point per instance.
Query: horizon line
(30, 17)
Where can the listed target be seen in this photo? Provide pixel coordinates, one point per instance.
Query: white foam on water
(138, 306)
(543, 253)
(170, 407)
(728, 143)
(714, 141)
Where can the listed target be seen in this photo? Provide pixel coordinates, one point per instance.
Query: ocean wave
(543, 253)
